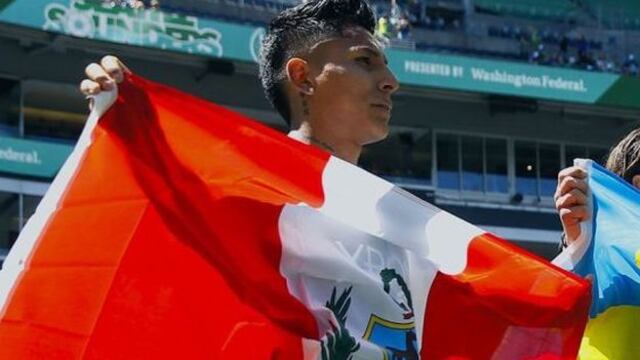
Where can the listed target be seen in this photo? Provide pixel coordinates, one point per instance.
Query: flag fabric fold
(178, 228)
(609, 253)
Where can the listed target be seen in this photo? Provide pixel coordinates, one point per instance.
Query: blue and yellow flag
(609, 252)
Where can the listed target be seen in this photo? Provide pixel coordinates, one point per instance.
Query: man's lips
(385, 106)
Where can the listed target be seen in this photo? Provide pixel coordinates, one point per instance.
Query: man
(326, 74)
(611, 260)
(321, 68)
(570, 197)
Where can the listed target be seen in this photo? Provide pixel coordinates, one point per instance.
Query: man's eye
(364, 59)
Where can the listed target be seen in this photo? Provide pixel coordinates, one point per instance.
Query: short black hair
(297, 29)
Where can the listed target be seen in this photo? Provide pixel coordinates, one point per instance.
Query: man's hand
(104, 76)
(571, 200)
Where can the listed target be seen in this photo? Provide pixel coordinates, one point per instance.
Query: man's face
(352, 87)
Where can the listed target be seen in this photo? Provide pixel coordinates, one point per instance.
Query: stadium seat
(615, 13)
(541, 9)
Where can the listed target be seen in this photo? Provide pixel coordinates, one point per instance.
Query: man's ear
(298, 73)
(635, 181)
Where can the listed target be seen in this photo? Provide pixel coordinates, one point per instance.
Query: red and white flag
(179, 229)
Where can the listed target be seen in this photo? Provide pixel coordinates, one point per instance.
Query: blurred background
(497, 95)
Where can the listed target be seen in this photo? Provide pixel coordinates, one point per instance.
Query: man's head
(624, 158)
(321, 61)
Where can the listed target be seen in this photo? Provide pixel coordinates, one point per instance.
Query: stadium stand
(553, 10)
(614, 14)
(488, 155)
(565, 33)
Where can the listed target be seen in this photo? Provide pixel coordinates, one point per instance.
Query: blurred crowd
(133, 4)
(398, 21)
(572, 50)
(394, 23)
(397, 18)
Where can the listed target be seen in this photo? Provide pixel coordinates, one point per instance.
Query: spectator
(535, 38)
(428, 22)
(517, 32)
(630, 66)
(395, 13)
(583, 48)
(539, 56)
(414, 11)
(601, 62)
(585, 59)
(564, 48)
(557, 60)
(133, 4)
(136, 4)
(506, 31)
(524, 47)
(404, 28)
(382, 28)
(151, 4)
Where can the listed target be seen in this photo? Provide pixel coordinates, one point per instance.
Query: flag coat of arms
(179, 229)
(609, 252)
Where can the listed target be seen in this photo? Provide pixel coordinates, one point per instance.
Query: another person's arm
(571, 201)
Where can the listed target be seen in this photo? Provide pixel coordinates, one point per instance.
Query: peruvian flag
(178, 229)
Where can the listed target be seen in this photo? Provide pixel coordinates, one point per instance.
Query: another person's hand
(103, 76)
(571, 201)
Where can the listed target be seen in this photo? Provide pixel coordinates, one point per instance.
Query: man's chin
(381, 132)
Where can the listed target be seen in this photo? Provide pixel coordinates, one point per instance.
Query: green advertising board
(32, 158)
(149, 28)
(212, 38)
(499, 77)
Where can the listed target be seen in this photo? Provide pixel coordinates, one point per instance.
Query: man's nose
(389, 83)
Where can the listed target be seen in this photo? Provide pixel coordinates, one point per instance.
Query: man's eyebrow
(371, 51)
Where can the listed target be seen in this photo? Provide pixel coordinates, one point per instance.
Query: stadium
(496, 96)
(139, 221)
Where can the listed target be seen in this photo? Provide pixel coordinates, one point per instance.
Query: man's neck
(343, 150)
